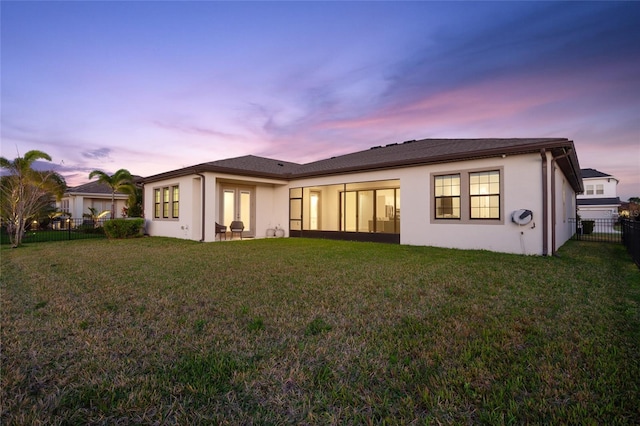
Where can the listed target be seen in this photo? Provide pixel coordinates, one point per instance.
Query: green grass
(295, 331)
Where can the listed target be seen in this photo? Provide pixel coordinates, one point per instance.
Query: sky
(157, 86)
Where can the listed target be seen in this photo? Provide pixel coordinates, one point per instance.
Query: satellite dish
(522, 216)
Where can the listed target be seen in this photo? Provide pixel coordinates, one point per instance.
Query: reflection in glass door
(314, 213)
(237, 205)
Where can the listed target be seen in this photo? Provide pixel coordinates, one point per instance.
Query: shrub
(124, 228)
(587, 226)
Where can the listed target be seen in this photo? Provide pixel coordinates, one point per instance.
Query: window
(156, 202)
(484, 195)
(600, 189)
(471, 196)
(175, 202)
(371, 207)
(447, 196)
(589, 189)
(166, 202)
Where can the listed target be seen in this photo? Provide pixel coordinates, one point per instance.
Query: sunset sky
(156, 86)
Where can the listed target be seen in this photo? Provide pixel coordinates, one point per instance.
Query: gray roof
(94, 187)
(252, 163)
(423, 151)
(609, 201)
(592, 173)
(393, 155)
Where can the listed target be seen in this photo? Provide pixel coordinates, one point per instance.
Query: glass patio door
(237, 204)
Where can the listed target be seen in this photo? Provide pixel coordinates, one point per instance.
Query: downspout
(203, 203)
(553, 206)
(545, 204)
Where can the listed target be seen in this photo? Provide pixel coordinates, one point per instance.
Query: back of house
(505, 195)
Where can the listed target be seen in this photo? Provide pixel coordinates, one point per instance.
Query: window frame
(449, 197)
(589, 190)
(465, 197)
(599, 189)
(488, 196)
(166, 202)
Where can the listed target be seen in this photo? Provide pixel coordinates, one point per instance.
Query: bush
(124, 228)
(587, 226)
(90, 229)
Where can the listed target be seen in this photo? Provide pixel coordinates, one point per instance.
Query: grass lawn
(297, 331)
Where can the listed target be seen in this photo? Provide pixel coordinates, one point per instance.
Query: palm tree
(94, 216)
(117, 181)
(26, 191)
(134, 203)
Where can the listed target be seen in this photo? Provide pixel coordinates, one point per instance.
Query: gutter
(202, 179)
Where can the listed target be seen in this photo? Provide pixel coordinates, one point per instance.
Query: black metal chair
(221, 230)
(236, 227)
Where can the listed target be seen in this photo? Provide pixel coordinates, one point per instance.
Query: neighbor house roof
(609, 201)
(96, 187)
(592, 173)
(393, 155)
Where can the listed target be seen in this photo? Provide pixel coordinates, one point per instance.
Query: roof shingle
(409, 153)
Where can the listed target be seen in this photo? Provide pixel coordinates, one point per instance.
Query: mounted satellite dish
(522, 216)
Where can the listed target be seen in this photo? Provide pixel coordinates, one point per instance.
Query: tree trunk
(113, 205)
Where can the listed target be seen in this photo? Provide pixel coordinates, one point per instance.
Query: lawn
(297, 331)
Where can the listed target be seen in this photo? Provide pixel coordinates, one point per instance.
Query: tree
(94, 215)
(26, 192)
(635, 200)
(134, 202)
(117, 182)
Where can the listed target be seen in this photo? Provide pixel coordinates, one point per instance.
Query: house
(77, 200)
(458, 193)
(600, 199)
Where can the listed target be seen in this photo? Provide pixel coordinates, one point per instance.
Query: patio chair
(221, 230)
(236, 227)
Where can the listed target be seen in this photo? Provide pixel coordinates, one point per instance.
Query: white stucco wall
(609, 185)
(521, 177)
(189, 224)
(522, 190)
(565, 210)
(185, 226)
(79, 204)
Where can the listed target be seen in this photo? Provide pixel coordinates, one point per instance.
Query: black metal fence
(631, 238)
(626, 231)
(599, 230)
(61, 230)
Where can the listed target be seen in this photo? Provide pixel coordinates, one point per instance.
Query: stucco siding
(184, 226)
(502, 235)
(520, 188)
(564, 209)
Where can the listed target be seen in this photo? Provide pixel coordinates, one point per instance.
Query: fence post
(69, 228)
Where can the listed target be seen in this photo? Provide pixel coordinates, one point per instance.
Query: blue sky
(155, 86)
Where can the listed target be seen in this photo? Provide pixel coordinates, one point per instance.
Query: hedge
(124, 228)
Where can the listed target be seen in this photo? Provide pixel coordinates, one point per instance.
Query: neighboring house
(629, 209)
(458, 193)
(600, 199)
(77, 200)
